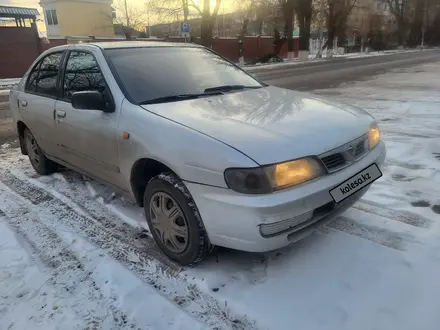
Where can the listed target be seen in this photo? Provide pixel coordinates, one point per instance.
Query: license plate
(356, 183)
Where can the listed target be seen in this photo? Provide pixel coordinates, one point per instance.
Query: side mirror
(91, 100)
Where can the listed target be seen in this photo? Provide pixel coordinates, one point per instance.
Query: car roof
(136, 44)
(124, 44)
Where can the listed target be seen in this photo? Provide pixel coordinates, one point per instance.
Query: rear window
(153, 72)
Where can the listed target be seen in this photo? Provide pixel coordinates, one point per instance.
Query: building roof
(18, 12)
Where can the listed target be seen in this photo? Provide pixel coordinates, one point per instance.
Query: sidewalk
(313, 59)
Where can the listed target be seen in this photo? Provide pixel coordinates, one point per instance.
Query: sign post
(185, 30)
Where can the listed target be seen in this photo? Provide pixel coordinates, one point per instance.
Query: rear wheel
(39, 161)
(174, 220)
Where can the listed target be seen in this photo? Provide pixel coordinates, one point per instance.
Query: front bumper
(255, 223)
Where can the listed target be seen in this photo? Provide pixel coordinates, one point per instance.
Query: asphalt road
(331, 73)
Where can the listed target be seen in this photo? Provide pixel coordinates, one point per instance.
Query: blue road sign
(184, 27)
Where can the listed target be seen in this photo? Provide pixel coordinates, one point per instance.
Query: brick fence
(253, 47)
(19, 46)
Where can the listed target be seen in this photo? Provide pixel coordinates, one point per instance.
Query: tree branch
(193, 5)
(216, 9)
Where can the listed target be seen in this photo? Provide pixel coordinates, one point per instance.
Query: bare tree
(399, 9)
(167, 10)
(265, 13)
(303, 10)
(246, 9)
(130, 17)
(252, 12)
(338, 11)
(208, 19)
(319, 19)
(288, 13)
(174, 8)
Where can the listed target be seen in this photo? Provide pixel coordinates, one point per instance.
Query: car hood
(270, 124)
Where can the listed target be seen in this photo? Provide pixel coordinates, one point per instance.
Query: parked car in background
(215, 157)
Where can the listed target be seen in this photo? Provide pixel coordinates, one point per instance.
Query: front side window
(82, 74)
(47, 75)
(150, 73)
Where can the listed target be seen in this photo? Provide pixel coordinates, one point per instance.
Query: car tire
(169, 206)
(39, 161)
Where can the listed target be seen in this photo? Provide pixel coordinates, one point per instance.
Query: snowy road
(306, 76)
(74, 256)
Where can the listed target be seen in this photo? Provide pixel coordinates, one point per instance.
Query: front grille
(360, 149)
(345, 155)
(333, 161)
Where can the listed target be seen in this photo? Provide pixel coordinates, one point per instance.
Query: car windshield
(158, 73)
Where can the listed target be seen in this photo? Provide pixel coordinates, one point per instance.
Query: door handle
(23, 103)
(61, 114)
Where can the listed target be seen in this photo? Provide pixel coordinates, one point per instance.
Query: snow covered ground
(8, 82)
(75, 256)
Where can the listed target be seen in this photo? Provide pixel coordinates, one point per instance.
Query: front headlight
(293, 173)
(373, 136)
(248, 180)
(273, 177)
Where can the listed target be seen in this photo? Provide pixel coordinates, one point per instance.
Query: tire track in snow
(94, 211)
(407, 217)
(376, 235)
(79, 200)
(67, 274)
(165, 280)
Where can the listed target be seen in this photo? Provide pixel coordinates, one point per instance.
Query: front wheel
(39, 161)
(174, 220)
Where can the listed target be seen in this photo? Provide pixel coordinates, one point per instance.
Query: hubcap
(169, 222)
(32, 149)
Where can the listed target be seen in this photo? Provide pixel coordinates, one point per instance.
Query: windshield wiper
(179, 97)
(228, 88)
(208, 92)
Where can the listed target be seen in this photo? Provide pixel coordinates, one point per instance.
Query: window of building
(51, 16)
(47, 75)
(54, 16)
(82, 74)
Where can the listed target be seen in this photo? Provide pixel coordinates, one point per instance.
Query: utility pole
(424, 23)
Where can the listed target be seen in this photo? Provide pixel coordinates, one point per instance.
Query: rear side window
(47, 75)
(31, 83)
(82, 74)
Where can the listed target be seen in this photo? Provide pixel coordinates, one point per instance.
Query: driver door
(87, 139)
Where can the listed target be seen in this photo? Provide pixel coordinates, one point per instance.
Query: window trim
(57, 94)
(63, 72)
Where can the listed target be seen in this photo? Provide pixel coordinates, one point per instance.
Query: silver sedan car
(215, 157)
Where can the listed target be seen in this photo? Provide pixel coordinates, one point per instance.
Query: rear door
(37, 101)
